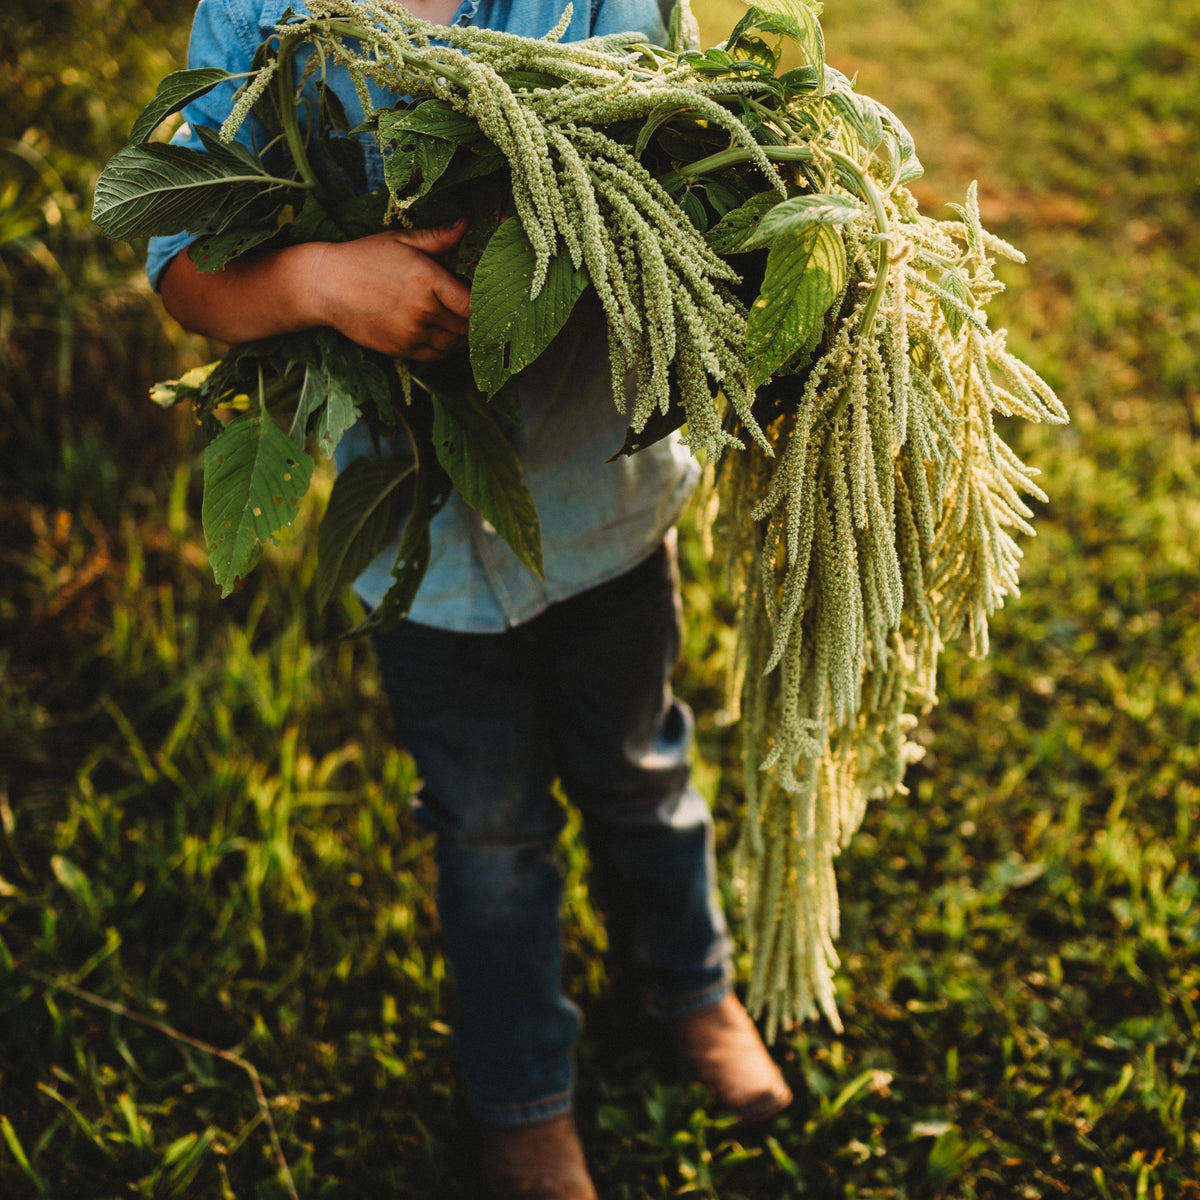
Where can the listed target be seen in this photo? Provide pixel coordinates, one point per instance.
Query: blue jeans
(580, 693)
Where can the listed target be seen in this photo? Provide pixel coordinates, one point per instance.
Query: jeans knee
(487, 887)
(500, 818)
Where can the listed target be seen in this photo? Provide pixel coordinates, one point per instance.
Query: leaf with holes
(254, 479)
(509, 330)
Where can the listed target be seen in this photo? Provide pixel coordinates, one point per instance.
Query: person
(500, 682)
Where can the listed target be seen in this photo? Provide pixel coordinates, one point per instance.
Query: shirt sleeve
(648, 17)
(225, 34)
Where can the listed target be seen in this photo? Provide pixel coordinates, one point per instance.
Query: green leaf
(749, 20)
(971, 226)
(661, 114)
(658, 426)
(800, 11)
(333, 112)
(369, 379)
(467, 188)
(329, 361)
(254, 479)
(358, 216)
(18, 1152)
(175, 91)
(798, 213)
(860, 114)
(313, 222)
(782, 1159)
(903, 164)
(910, 168)
(312, 396)
(366, 509)
(185, 1156)
(156, 189)
(756, 49)
(800, 80)
(331, 382)
(463, 257)
(687, 142)
(340, 412)
(271, 359)
(732, 230)
(408, 573)
(324, 389)
(213, 252)
(693, 209)
(233, 154)
(484, 467)
(508, 329)
(432, 488)
(722, 198)
(416, 165)
(796, 19)
(954, 287)
(424, 140)
(75, 881)
(805, 273)
(531, 80)
(710, 61)
(436, 118)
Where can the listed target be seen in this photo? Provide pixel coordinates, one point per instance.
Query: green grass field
(220, 973)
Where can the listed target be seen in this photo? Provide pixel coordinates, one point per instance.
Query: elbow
(244, 300)
(177, 286)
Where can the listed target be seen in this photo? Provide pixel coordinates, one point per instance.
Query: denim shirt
(598, 517)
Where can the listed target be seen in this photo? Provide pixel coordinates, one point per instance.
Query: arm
(385, 292)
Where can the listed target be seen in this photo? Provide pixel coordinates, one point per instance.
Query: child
(500, 682)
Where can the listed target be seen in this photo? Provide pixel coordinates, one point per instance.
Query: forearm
(247, 299)
(384, 291)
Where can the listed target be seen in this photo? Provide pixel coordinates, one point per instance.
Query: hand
(387, 292)
(384, 291)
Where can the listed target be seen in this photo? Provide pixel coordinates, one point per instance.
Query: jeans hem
(669, 1008)
(529, 1112)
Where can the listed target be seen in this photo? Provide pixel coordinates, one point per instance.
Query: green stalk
(290, 115)
(870, 193)
(733, 156)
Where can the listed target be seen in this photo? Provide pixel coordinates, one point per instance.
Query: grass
(201, 826)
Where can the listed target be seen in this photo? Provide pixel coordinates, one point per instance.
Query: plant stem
(733, 156)
(870, 193)
(289, 114)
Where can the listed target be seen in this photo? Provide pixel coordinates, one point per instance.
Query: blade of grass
(18, 1152)
(186, 1039)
